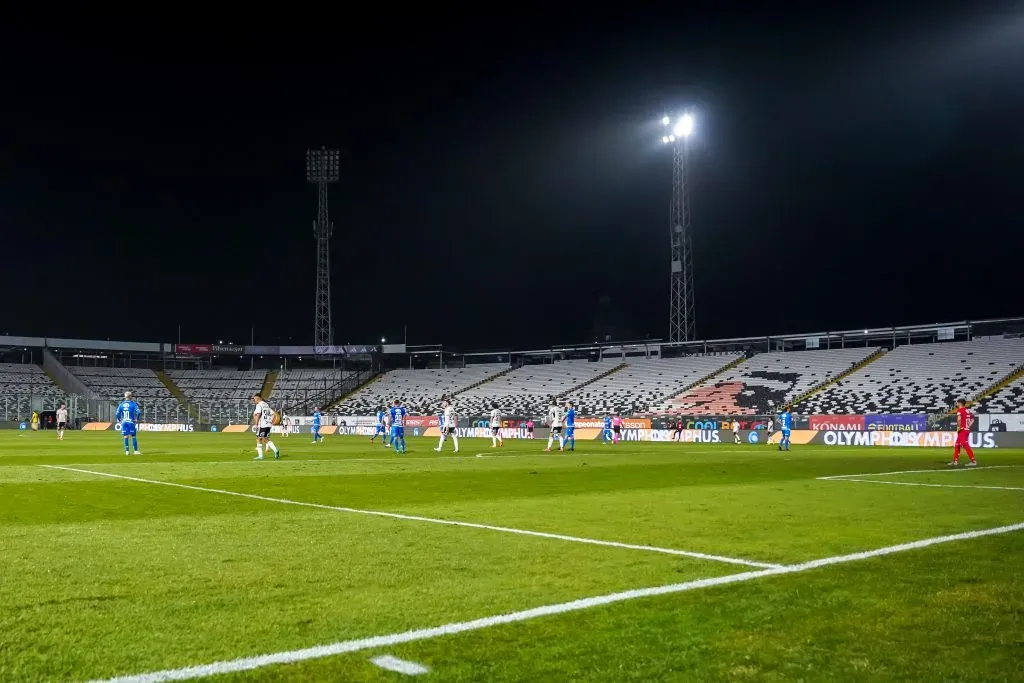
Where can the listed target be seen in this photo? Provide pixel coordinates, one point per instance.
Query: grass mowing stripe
(320, 651)
(430, 520)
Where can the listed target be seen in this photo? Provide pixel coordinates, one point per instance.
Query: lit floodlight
(684, 127)
(671, 138)
(664, 138)
(665, 120)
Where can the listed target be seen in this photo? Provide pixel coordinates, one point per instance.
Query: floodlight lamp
(684, 127)
(664, 138)
(671, 138)
(665, 120)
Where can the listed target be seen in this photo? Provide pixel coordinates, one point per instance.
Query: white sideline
(320, 651)
(936, 486)
(935, 471)
(431, 520)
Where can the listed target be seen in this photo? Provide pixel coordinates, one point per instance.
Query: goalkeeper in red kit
(964, 420)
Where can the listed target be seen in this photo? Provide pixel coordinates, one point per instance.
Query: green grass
(104, 577)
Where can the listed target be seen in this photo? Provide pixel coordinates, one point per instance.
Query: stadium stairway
(268, 384)
(841, 376)
(576, 388)
(1011, 377)
(711, 376)
(485, 380)
(177, 393)
(359, 386)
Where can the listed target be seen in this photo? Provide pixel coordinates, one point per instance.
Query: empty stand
(765, 382)
(419, 390)
(148, 391)
(527, 390)
(303, 386)
(646, 383)
(222, 396)
(19, 385)
(1009, 399)
(920, 378)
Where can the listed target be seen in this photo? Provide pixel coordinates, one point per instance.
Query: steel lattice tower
(321, 170)
(681, 318)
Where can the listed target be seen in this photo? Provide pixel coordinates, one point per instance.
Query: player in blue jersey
(316, 425)
(381, 431)
(398, 414)
(606, 435)
(570, 425)
(786, 424)
(128, 416)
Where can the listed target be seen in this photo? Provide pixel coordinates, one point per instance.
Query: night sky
(503, 182)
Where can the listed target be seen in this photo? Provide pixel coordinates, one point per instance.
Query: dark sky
(854, 168)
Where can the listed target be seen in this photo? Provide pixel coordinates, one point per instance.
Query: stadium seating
(645, 383)
(303, 385)
(765, 382)
(222, 396)
(19, 383)
(920, 378)
(419, 390)
(1009, 399)
(111, 383)
(527, 390)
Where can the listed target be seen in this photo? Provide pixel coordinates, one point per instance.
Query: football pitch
(639, 562)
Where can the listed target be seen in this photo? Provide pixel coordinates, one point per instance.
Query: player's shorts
(495, 430)
(449, 431)
(570, 432)
(529, 430)
(617, 429)
(62, 425)
(380, 430)
(127, 429)
(263, 433)
(398, 431)
(556, 430)
(785, 433)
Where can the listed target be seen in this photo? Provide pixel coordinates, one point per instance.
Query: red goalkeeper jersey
(964, 419)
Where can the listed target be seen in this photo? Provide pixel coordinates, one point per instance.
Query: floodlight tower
(681, 321)
(321, 170)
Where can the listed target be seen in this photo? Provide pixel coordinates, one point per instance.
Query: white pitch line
(937, 486)
(935, 471)
(392, 639)
(401, 666)
(431, 520)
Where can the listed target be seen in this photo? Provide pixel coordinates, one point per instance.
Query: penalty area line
(935, 471)
(392, 639)
(430, 520)
(935, 486)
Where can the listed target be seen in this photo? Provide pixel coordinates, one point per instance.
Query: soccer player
(964, 420)
(496, 439)
(555, 421)
(786, 423)
(316, 425)
(735, 431)
(263, 418)
(529, 428)
(770, 427)
(616, 428)
(62, 421)
(570, 425)
(127, 415)
(606, 435)
(677, 435)
(398, 414)
(381, 431)
(450, 420)
(286, 425)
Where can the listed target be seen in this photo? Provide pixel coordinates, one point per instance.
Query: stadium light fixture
(677, 129)
(383, 340)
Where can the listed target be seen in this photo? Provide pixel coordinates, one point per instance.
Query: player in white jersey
(451, 426)
(555, 420)
(496, 439)
(263, 418)
(286, 424)
(62, 421)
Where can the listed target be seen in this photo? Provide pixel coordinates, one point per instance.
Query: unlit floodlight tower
(321, 170)
(681, 322)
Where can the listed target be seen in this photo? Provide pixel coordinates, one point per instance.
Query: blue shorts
(127, 429)
(398, 432)
(785, 433)
(380, 430)
(316, 429)
(570, 432)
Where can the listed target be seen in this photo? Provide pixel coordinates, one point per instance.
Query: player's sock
(572, 443)
(271, 446)
(550, 440)
(126, 444)
(403, 444)
(135, 444)
(561, 442)
(455, 440)
(970, 451)
(259, 450)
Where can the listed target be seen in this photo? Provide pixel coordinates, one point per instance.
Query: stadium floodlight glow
(665, 120)
(677, 130)
(681, 129)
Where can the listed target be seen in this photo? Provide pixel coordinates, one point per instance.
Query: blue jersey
(398, 416)
(128, 411)
(380, 418)
(607, 423)
(316, 419)
(570, 418)
(786, 419)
